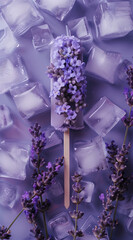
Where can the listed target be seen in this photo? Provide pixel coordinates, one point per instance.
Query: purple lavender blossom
(67, 73)
(130, 77)
(38, 145)
(4, 233)
(60, 63)
(129, 96)
(102, 197)
(72, 89)
(62, 109)
(77, 97)
(75, 62)
(71, 114)
(37, 233)
(128, 120)
(29, 204)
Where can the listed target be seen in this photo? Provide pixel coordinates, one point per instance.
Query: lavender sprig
(32, 201)
(118, 160)
(76, 199)
(69, 83)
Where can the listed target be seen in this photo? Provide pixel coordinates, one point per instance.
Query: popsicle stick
(67, 169)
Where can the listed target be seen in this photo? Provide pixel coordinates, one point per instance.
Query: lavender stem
(44, 218)
(18, 215)
(76, 220)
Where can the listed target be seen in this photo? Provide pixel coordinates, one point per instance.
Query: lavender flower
(38, 145)
(128, 120)
(44, 179)
(130, 77)
(129, 96)
(102, 197)
(29, 203)
(118, 159)
(32, 202)
(76, 199)
(4, 233)
(67, 74)
(37, 233)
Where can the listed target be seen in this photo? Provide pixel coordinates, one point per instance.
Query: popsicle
(68, 90)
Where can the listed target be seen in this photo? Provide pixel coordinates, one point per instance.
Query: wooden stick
(66, 169)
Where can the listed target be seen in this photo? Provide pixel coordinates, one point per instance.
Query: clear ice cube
(13, 160)
(60, 225)
(52, 138)
(30, 99)
(103, 116)
(4, 2)
(57, 7)
(103, 64)
(90, 156)
(8, 194)
(122, 69)
(21, 15)
(130, 225)
(88, 224)
(41, 37)
(5, 117)
(55, 189)
(14, 68)
(125, 207)
(79, 28)
(113, 19)
(88, 191)
(8, 43)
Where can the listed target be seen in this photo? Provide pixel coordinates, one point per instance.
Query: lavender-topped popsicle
(68, 89)
(68, 84)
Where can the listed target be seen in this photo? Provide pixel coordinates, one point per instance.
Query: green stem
(114, 218)
(15, 219)
(44, 218)
(18, 215)
(76, 220)
(126, 132)
(125, 138)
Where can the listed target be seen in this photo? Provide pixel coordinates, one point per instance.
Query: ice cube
(42, 37)
(8, 43)
(79, 28)
(52, 138)
(126, 206)
(88, 224)
(90, 156)
(30, 99)
(8, 194)
(57, 7)
(55, 189)
(14, 68)
(122, 69)
(88, 191)
(21, 15)
(4, 2)
(130, 224)
(103, 64)
(60, 225)
(113, 19)
(5, 118)
(103, 116)
(13, 160)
